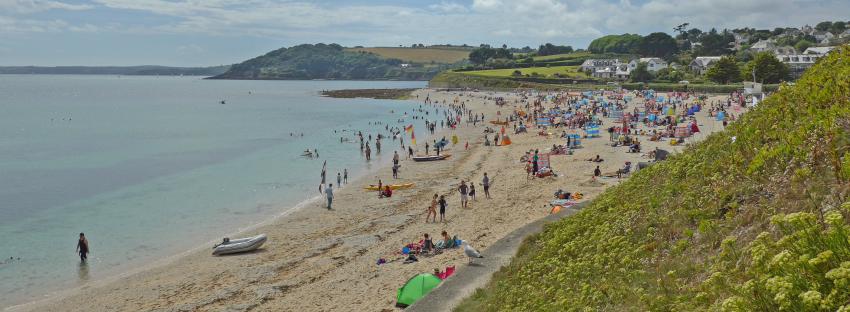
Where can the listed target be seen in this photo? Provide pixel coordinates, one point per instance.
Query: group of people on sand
(466, 192)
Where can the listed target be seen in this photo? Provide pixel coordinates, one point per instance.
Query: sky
(217, 32)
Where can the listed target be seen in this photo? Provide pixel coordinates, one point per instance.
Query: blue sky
(214, 32)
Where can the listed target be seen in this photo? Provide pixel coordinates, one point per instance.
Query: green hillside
(563, 71)
(754, 218)
(326, 61)
(420, 55)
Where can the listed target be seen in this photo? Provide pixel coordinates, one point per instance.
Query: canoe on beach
(239, 245)
(430, 158)
(373, 187)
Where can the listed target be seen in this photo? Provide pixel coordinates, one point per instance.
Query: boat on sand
(231, 246)
(430, 157)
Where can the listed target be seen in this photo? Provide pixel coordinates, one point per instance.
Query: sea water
(149, 167)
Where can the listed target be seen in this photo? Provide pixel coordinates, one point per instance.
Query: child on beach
(472, 190)
(432, 209)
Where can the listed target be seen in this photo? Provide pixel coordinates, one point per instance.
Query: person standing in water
(83, 247)
(345, 175)
(338, 179)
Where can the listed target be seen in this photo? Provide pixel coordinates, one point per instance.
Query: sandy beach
(320, 260)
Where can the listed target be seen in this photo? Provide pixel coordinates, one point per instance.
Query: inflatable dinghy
(231, 246)
(430, 158)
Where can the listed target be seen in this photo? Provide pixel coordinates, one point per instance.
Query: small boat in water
(430, 157)
(229, 246)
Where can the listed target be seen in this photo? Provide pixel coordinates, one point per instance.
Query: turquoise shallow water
(148, 167)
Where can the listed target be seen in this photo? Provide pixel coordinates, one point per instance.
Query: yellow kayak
(373, 187)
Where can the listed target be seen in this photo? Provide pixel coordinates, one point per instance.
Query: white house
(622, 72)
(845, 34)
(823, 37)
(653, 64)
(701, 64)
(798, 63)
(604, 73)
(598, 64)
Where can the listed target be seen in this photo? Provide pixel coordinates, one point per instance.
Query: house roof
(704, 61)
(763, 44)
(818, 50)
(649, 59)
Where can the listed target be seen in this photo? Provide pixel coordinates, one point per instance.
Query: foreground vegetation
(754, 218)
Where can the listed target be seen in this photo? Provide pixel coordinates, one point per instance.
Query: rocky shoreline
(381, 94)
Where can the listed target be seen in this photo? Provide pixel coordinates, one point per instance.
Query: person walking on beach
(443, 205)
(345, 175)
(472, 190)
(329, 191)
(409, 151)
(395, 157)
(432, 209)
(83, 247)
(486, 183)
(338, 179)
(534, 165)
(463, 189)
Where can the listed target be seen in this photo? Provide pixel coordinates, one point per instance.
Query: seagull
(470, 252)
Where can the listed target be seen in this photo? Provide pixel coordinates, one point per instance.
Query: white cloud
(486, 4)
(516, 22)
(32, 6)
(190, 49)
(449, 7)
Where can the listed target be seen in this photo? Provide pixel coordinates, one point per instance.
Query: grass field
(560, 57)
(548, 72)
(420, 55)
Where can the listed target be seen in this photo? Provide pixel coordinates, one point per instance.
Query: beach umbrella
(416, 288)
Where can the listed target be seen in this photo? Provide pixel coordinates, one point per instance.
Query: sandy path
(317, 260)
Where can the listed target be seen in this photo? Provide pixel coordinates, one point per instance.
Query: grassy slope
(565, 71)
(755, 223)
(561, 57)
(420, 55)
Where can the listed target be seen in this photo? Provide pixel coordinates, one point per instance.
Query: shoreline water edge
(313, 253)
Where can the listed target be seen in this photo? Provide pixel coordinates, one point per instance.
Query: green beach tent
(416, 288)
